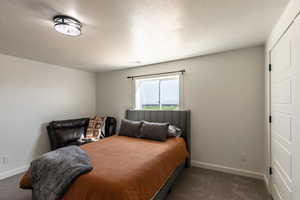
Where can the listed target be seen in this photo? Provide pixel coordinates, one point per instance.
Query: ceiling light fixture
(67, 25)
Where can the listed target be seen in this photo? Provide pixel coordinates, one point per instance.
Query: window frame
(158, 77)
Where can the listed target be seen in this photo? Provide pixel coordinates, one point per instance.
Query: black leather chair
(68, 132)
(110, 126)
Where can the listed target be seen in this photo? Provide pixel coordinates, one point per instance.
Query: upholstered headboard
(179, 118)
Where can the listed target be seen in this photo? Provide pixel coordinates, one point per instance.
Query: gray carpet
(193, 184)
(202, 184)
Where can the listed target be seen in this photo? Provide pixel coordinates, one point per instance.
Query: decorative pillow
(154, 131)
(130, 128)
(174, 131)
(95, 126)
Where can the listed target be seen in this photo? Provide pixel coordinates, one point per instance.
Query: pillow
(154, 131)
(130, 128)
(26, 182)
(174, 131)
(95, 126)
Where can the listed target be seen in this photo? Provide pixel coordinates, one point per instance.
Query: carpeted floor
(194, 184)
(202, 184)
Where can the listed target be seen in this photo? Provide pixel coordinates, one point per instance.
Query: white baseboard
(267, 183)
(229, 170)
(13, 172)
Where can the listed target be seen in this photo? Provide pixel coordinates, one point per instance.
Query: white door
(296, 108)
(283, 129)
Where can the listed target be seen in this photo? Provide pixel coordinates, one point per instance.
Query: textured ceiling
(119, 34)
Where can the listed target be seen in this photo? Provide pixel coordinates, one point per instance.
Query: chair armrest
(110, 126)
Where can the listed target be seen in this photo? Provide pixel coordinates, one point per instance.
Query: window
(162, 93)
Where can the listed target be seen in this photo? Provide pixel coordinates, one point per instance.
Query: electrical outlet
(243, 158)
(5, 160)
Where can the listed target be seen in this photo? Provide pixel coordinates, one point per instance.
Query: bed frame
(179, 118)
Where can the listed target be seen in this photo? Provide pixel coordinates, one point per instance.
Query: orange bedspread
(127, 168)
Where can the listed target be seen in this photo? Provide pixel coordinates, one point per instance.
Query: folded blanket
(54, 172)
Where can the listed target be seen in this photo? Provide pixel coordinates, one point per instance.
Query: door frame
(269, 106)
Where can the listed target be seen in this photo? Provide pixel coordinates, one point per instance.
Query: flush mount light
(67, 25)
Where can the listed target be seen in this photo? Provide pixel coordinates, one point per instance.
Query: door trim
(269, 123)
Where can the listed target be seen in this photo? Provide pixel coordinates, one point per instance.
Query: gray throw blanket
(54, 172)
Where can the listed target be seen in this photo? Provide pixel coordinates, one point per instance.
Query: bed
(179, 118)
(133, 168)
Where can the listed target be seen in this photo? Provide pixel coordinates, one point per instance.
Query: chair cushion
(64, 136)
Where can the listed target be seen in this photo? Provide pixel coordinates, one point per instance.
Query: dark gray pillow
(174, 131)
(154, 131)
(130, 128)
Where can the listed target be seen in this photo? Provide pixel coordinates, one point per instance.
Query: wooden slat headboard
(179, 118)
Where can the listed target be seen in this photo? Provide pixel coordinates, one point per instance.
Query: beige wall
(225, 93)
(32, 94)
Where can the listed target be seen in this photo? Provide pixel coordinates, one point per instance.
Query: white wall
(225, 93)
(32, 94)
